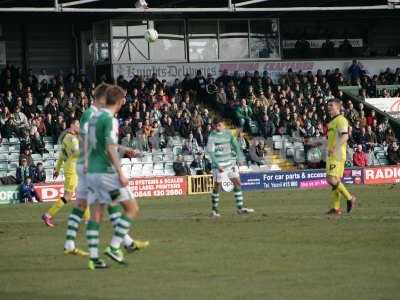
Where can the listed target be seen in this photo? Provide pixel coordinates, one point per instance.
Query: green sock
(92, 236)
(114, 213)
(215, 200)
(120, 231)
(74, 220)
(238, 197)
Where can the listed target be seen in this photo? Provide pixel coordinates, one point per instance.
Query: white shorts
(82, 191)
(106, 188)
(229, 173)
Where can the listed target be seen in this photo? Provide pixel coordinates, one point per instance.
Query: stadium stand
(288, 117)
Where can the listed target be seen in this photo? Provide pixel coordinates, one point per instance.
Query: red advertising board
(50, 191)
(382, 175)
(141, 187)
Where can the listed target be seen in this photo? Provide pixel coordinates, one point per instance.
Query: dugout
(106, 37)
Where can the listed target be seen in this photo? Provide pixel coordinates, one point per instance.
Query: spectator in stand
(243, 114)
(394, 153)
(201, 164)
(390, 136)
(355, 71)
(190, 145)
(23, 171)
(328, 49)
(180, 167)
(28, 194)
(27, 156)
(243, 143)
(38, 173)
(256, 152)
(360, 159)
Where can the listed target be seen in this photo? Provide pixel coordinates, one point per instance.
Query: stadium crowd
(33, 106)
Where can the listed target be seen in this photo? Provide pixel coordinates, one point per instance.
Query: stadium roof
(176, 6)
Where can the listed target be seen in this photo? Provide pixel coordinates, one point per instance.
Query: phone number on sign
(157, 193)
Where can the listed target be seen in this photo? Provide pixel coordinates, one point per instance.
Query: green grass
(287, 250)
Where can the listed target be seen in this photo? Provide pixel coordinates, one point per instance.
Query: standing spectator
(355, 71)
(328, 49)
(360, 159)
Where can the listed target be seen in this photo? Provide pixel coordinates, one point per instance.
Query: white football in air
(151, 35)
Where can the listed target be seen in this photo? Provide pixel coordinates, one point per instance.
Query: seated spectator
(37, 143)
(360, 159)
(38, 173)
(390, 136)
(267, 127)
(201, 164)
(28, 193)
(256, 152)
(243, 142)
(27, 155)
(394, 154)
(243, 114)
(20, 122)
(180, 167)
(23, 171)
(127, 140)
(169, 129)
(190, 145)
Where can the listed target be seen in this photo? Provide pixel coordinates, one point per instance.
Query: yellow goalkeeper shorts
(334, 168)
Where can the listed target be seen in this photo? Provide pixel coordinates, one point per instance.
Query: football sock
(57, 206)
(215, 200)
(92, 236)
(120, 230)
(238, 197)
(86, 214)
(74, 220)
(342, 189)
(114, 213)
(335, 199)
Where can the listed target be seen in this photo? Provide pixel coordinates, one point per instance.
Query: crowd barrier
(162, 186)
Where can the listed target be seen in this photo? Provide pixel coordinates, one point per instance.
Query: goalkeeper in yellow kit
(337, 144)
(67, 160)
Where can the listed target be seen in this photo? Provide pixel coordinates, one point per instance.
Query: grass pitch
(288, 249)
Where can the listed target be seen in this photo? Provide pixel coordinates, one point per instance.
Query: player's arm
(236, 148)
(59, 164)
(122, 150)
(73, 147)
(112, 150)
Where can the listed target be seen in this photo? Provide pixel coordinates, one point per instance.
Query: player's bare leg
(239, 197)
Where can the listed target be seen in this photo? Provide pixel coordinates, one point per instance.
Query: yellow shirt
(336, 127)
(69, 153)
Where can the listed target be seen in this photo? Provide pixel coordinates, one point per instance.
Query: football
(151, 35)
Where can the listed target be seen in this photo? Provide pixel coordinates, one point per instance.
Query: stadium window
(128, 43)
(170, 45)
(264, 39)
(203, 40)
(234, 39)
(101, 42)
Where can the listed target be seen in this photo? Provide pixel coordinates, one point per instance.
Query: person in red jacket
(360, 159)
